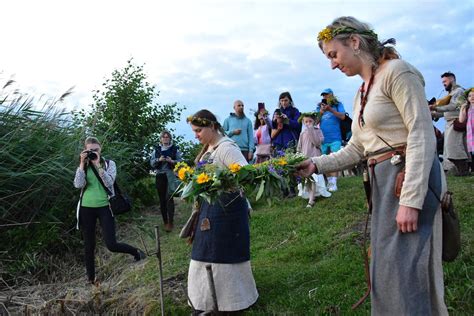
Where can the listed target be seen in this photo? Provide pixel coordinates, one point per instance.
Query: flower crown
(314, 115)
(199, 121)
(327, 34)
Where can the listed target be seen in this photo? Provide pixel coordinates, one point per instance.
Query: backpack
(345, 126)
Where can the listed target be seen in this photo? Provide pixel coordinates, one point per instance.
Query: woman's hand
(306, 168)
(83, 157)
(96, 162)
(407, 219)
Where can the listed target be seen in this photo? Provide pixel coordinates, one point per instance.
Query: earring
(356, 51)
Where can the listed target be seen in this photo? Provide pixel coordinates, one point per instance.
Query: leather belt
(400, 150)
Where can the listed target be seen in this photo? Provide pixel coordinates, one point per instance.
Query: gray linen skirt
(406, 269)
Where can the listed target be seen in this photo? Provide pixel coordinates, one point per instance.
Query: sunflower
(203, 178)
(235, 167)
(182, 172)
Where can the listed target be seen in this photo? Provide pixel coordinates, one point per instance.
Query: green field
(305, 261)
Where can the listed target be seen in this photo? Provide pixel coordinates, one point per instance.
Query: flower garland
(314, 115)
(199, 121)
(264, 180)
(328, 34)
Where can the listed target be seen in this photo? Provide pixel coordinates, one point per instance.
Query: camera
(91, 155)
(324, 101)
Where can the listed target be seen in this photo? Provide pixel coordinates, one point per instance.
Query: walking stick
(368, 194)
(158, 255)
(210, 278)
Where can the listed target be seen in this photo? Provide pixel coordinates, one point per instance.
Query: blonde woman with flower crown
(222, 234)
(392, 129)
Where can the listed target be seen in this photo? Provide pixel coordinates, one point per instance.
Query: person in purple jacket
(286, 129)
(285, 126)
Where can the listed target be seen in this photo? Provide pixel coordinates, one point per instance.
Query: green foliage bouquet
(264, 180)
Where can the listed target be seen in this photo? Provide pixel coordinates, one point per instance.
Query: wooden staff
(160, 264)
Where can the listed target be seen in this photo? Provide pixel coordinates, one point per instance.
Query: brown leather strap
(388, 155)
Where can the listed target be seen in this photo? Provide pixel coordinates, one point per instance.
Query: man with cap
(238, 127)
(332, 112)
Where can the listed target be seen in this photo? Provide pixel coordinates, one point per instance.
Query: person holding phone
(332, 113)
(163, 159)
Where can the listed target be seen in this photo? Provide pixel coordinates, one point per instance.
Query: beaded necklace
(363, 98)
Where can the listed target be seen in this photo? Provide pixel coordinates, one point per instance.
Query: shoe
(310, 205)
(332, 187)
(94, 282)
(325, 193)
(140, 255)
(168, 227)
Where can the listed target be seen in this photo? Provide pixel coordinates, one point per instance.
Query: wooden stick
(160, 264)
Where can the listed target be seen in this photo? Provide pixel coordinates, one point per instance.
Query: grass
(305, 261)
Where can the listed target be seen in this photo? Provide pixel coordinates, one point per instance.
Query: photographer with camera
(94, 204)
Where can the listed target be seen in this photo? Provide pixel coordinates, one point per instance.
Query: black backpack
(345, 126)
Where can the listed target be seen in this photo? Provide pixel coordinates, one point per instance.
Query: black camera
(324, 101)
(91, 155)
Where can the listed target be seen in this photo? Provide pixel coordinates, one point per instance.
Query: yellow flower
(180, 165)
(235, 167)
(203, 178)
(183, 172)
(325, 35)
(282, 162)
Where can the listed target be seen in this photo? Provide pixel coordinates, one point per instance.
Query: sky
(206, 54)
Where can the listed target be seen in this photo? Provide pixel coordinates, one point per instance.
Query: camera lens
(91, 155)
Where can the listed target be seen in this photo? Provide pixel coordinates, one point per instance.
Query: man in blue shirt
(239, 128)
(332, 112)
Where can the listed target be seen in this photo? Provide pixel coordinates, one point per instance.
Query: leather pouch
(399, 182)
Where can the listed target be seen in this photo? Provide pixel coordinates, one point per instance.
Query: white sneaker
(325, 193)
(332, 187)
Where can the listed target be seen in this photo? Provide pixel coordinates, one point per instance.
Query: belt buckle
(395, 160)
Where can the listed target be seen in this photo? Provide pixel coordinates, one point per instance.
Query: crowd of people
(391, 119)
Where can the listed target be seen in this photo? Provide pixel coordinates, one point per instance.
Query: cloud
(209, 53)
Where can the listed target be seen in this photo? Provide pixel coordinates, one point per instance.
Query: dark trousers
(166, 203)
(88, 219)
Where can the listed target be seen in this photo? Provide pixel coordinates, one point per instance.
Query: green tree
(125, 111)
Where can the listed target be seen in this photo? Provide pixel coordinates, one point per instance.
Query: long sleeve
(450, 111)
(251, 141)
(315, 136)
(342, 159)
(80, 179)
(109, 174)
(294, 120)
(179, 157)
(227, 129)
(153, 159)
(407, 91)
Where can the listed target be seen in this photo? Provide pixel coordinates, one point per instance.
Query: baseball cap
(327, 91)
